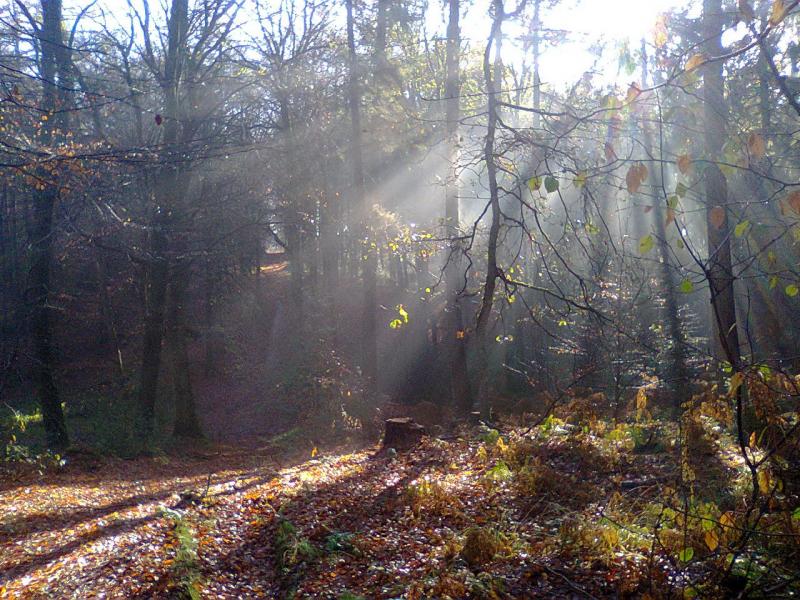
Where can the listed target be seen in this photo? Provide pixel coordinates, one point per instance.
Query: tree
(54, 72)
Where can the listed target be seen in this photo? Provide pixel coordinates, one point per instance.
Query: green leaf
(534, 183)
(646, 244)
(792, 290)
(796, 514)
(592, 229)
(680, 190)
(773, 282)
(686, 554)
(741, 228)
(580, 180)
(550, 184)
(672, 201)
(687, 287)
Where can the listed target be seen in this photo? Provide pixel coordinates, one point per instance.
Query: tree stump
(402, 433)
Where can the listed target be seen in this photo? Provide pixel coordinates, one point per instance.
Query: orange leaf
(695, 61)
(717, 216)
(684, 163)
(778, 12)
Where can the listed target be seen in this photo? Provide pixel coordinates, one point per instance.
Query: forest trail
(364, 523)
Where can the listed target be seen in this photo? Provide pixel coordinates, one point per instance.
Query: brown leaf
(684, 163)
(611, 155)
(717, 216)
(670, 216)
(756, 145)
(632, 180)
(792, 202)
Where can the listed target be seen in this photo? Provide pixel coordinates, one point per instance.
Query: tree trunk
(363, 248)
(45, 198)
(677, 373)
(186, 422)
(492, 272)
(719, 270)
(460, 392)
(167, 190)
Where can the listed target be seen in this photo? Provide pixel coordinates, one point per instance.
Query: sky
(587, 21)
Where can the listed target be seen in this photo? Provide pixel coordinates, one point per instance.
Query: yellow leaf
(641, 399)
(695, 61)
(753, 439)
(726, 520)
(736, 381)
(712, 539)
(778, 12)
(314, 452)
(716, 216)
(764, 481)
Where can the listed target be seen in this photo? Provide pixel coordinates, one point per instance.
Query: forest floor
(555, 513)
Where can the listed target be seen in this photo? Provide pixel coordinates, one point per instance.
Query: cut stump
(402, 433)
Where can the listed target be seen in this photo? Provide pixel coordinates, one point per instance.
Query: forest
(400, 299)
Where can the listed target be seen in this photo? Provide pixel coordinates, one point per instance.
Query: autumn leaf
(756, 145)
(778, 12)
(791, 202)
(684, 163)
(736, 381)
(695, 61)
(660, 31)
(716, 217)
(632, 180)
(634, 91)
(610, 154)
(712, 539)
(670, 216)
